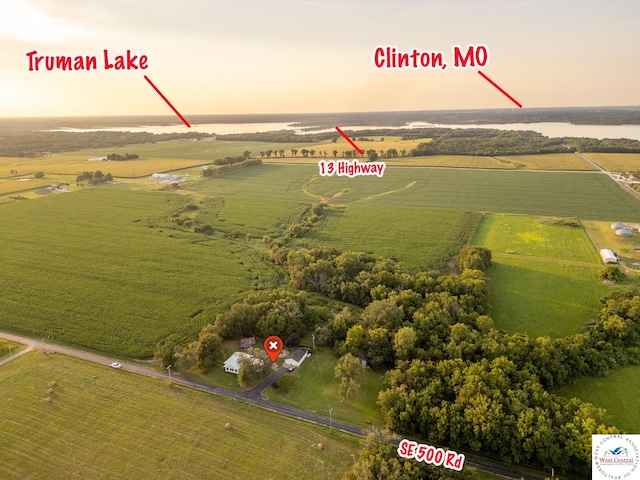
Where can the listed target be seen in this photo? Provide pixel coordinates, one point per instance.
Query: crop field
(376, 144)
(548, 161)
(8, 186)
(616, 162)
(104, 423)
(543, 298)
(203, 150)
(315, 389)
(604, 237)
(618, 393)
(242, 216)
(419, 238)
(97, 268)
(537, 237)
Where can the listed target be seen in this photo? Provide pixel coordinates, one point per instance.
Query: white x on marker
(273, 345)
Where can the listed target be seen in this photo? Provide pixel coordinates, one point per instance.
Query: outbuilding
(616, 226)
(608, 256)
(623, 232)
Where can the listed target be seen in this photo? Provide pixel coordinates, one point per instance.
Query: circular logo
(616, 456)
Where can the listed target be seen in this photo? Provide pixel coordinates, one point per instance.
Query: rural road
(251, 396)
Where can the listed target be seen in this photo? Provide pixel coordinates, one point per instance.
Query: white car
(116, 365)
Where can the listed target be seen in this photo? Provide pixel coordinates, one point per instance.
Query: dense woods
(451, 377)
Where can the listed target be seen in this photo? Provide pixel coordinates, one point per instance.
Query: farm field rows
(618, 393)
(549, 161)
(96, 268)
(102, 422)
(421, 239)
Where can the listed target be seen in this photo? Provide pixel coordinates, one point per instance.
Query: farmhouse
(295, 358)
(232, 364)
(608, 256)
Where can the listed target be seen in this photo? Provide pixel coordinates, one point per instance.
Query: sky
(304, 56)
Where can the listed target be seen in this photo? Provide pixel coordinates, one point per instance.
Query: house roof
(297, 355)
(233, 360)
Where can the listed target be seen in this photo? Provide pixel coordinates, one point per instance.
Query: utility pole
(313, 338)
(330, 410)
(169, 368)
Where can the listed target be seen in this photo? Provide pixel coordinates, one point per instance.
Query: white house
(232, 364)
(608, 256)
(295, 358)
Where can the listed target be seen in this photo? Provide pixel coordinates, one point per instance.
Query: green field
(544, 278)
(315, 389)
(419, 238)
(565, 194)
(543, 298)
(104, 423)
(537, 237)
(625, 247)
(618, 393)
(101, 268)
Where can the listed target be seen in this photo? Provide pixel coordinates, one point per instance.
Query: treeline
(455, 379)
(126, 156)
(490, 142)
(94, 178)
(210, 172)
(39, 143)
(606, 145)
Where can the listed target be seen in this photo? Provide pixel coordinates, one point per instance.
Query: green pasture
(106, 423)
(543, 297)
(420, 238)
(548, 237)
(618, 393)
(102, 269)
(315, 389)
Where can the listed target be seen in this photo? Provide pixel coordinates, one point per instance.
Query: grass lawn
(618, 393)
(420, 238)
(543, 298)
(105, 423)
(315, 389)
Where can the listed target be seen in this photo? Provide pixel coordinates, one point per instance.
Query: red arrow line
(349, 140)
(498, 87)
(168, 102)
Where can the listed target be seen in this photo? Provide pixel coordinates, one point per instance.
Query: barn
(608, 256)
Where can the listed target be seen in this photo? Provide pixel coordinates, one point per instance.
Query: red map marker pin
(273, 347)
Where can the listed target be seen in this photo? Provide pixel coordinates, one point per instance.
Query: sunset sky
(278, 56)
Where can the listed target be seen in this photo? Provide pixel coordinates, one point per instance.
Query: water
(550, 129)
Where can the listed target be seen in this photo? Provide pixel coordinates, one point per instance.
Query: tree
(246, 154)
(164, 354)
(372, 155)
(209, 351)
(404, 343)
(348, 371)
(239, 321)
(38, 175)
(251, 369)
(379, 348)
(335, 153)
(611, 272)
(382, 313)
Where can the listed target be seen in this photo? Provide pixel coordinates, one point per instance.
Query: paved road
(251, 396)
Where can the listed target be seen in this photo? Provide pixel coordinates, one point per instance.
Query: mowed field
(420, 238)
(618, 393)
(105, 423)
(101, 268)
(605, 237)
(544, 278)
